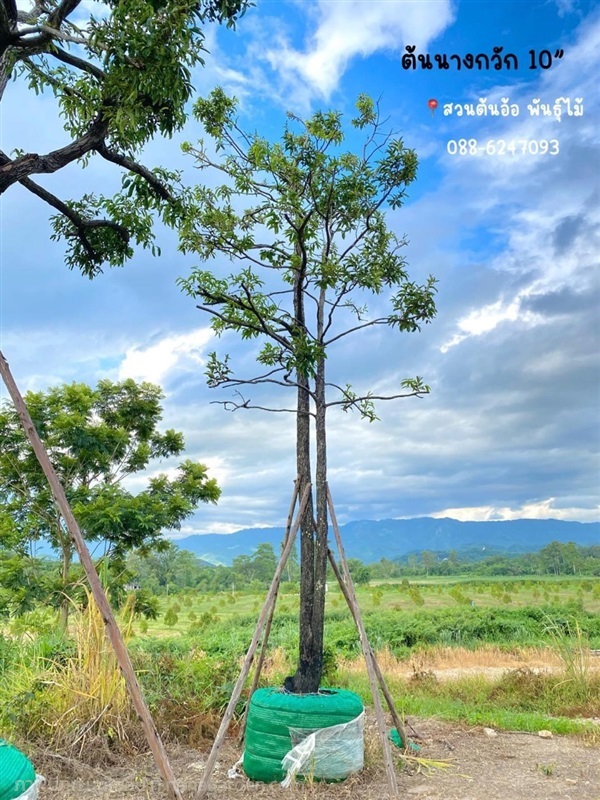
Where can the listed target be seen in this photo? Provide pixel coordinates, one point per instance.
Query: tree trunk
(310, 650)
(313, 566)
(310, 656)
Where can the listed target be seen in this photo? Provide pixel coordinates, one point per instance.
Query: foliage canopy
(95, 439)
(122, 74)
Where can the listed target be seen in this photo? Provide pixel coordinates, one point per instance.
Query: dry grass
(89, 703)
(441, 659)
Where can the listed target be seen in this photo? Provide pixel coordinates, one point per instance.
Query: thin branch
(79, 223)
(232, 405)
(133, 166)
(288, 384)
(241, 323)
(54, 33)
(348, 287)
(32, 16)
(378, 321)
(285, 325)
(60, 86)
(356, 400)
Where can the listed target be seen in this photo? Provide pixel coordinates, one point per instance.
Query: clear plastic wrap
(32, 793)
(326, 754)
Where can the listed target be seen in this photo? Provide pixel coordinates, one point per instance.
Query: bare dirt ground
(507, 766)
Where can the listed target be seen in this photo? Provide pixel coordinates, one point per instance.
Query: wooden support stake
(237, 690)
(111, 627)
(400, 727)
(368, 653)
(265, 641)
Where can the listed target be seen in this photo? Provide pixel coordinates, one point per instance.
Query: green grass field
(424, 594)
(188, 659)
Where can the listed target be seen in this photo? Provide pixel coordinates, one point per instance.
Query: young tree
(95, 438)
(121, 75)
(312, 245)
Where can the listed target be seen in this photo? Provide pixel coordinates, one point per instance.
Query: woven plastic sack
(327, 753)
(273, 713)
(17, 774)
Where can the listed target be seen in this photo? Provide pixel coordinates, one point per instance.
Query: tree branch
(239, 323)
(232, 405)
(13, 171)
(21, 40)
(74, 61)
(378, 321)
(8, 13)
(133, 166)
(80, 224)
(356, 400)
(32, 16)
(288, 384)
(66, 8)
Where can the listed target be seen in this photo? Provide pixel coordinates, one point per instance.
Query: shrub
(171, 619)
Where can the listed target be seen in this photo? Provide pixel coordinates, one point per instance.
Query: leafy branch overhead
(121, 74)
(302, 216)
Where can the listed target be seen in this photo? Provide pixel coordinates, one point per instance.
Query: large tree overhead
(95, 439)
(121, 75)
(305, 221)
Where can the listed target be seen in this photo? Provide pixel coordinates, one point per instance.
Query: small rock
(545, 734)
(490, 732)
(571, 780)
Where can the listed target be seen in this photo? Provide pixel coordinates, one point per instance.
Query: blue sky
(511, 427)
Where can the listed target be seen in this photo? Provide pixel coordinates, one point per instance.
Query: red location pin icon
(433, 104)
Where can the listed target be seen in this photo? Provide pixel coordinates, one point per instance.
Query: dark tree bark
(13, 171)
(308, 673)
(314, 546)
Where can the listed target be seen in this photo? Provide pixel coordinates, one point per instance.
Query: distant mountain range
(372, 540)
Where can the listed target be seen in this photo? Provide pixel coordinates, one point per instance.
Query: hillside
(371, 540)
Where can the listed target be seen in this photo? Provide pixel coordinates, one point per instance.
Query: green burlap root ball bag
(16, 772)
(273, 712)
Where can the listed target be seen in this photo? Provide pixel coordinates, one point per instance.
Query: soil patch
(505, 766)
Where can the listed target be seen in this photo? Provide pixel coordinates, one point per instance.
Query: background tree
(260, 566)
(164, 570)
(360, 573)
(95, 439)
(121, 76)
(313, 244)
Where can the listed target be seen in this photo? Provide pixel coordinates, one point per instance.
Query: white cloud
(543, 509)
(565, 7)
(537, 207)
(177, 352)
(354, 28)
(486, 319)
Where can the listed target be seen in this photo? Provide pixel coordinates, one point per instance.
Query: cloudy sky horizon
(511, 427)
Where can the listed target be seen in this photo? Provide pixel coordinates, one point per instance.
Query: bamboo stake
(111, 627)
(400, 727)
(265, 641)
(237, 690)
(369, 659)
